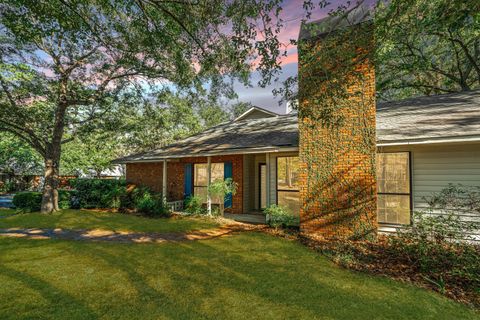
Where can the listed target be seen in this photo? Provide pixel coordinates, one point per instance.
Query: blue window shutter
(228, 173)
(188, 179)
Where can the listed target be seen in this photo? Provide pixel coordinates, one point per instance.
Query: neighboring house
(423, 145)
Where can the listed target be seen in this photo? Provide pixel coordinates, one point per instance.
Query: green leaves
(427, 47)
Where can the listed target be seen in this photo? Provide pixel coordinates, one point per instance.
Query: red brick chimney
(337, 127)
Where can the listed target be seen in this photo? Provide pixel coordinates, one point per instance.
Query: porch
(263, 179)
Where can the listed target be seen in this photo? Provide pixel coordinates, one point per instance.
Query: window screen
(393, 185)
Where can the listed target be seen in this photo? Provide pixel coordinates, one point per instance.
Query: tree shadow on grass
(52, 294)
(266, 277)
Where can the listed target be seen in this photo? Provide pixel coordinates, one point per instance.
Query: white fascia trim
(219, 153)
(431, 141)
(240, 117)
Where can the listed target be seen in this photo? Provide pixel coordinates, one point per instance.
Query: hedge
(98, 193)
(32, 201)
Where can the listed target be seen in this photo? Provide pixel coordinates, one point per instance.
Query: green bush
(31, 201)
(98, 193)
(65, 198)
(436, 242)
(141, 199)
(278, 216)
(193, 205)
(27, 201)
(152, 205)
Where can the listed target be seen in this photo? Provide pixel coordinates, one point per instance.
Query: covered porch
(263, 179)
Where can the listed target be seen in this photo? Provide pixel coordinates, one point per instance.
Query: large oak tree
(65, 63)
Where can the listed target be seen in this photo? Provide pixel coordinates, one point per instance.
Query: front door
(262, 175)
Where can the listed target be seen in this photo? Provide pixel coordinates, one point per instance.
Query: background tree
(239, 108)
(17, 157)
(64, 63)
(427, 47)
(90, 155)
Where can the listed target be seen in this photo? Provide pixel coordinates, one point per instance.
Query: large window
(200, 178)
(393, 183)
(288, 170)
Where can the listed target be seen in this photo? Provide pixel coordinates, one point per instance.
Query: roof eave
(424, 141)
(270, 149)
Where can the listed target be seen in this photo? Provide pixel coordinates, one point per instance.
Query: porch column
(209, 180)
(267, 187)
(164, 182)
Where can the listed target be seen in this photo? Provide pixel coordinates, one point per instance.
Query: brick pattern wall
(151, 175)
(338, 181)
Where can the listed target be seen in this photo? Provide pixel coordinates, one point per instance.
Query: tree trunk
(50, 187)
(52, 159)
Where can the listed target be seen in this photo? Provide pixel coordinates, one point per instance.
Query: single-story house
(369, 173)
(423, 144)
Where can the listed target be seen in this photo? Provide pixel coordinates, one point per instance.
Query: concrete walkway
(125, 237)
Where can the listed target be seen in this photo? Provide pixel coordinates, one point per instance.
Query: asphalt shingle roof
(429, 118)
(425, 118)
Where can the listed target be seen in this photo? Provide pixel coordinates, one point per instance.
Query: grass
(83, 219)
(6, 212)
(246, 276)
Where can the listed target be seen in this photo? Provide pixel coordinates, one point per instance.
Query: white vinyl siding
(435, 166)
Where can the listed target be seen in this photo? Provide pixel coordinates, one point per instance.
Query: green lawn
(82, 219)
(6, 212)
(246, 276)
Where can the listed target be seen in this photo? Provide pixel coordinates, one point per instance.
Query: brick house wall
(338, 180)
(150, 174)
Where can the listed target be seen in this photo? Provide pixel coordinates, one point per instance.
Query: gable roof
(255, 113)
(441, 118)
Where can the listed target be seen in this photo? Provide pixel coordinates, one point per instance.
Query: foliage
(98, 193)
(163, 119)
(30, 201)
(436, 241)
(278, 216)
(220, 189)
(89, 154)
(239, 108)
(17, 157)
(65, 65)
(427, 47)
(27, 201)
(194, 205)
(151, 204)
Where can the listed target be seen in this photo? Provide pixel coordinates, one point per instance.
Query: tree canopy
(427, 47)
(67, 63)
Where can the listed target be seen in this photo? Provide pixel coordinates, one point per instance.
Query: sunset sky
(292, 14)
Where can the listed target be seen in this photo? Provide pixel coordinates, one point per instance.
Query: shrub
(65, 198)
(219, 189)
(141, 199)
(278, 216)
(435, 242)
(32, 201)
(151, 204)
(193, 205)
(27, 201)
(98, 193)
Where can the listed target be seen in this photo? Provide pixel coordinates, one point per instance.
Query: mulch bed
(378, 258)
